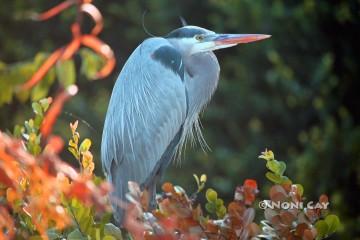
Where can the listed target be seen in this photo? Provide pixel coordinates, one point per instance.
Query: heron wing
(145, 116)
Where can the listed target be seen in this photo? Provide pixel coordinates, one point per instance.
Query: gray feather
(147, 110)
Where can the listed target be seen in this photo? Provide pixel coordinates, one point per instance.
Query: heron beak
(217, 41)
(231, 39)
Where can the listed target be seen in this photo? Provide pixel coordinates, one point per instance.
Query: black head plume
(183, 21)
(143, 24)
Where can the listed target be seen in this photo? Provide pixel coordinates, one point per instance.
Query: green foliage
(86, 227)
(66, 72)
(286, 191)
(13, 75)
(91, 63)
(41, 90)
(214, 204)
(327, 226)
(276, 168)
(85, 145)
(200, 182)
(86, 224)
(30, 131)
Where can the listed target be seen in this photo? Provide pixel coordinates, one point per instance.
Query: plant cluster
(43, 197)
(39, 192)
(179, 216)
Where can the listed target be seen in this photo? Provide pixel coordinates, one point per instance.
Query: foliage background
(296, 93)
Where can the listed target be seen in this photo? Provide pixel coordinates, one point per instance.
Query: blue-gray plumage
(156, 102)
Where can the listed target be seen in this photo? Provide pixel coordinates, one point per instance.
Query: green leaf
(45, 103)
(211, 195)
(22, 95)
(42, 88)
(333, 223)
(220, 213)
(35, 237)
(74, 152)
(219, 202)
(300, 189)
(277, 167)
(66, 73)
(210, 207)
(112, 230)
(273, 177)
(84, 216)
(6, 91)
(53, 234)
(18, 131)
(76, 235)
(282, 168)
(11, 76)
(97, 181)
(321, 228)
(109, 237)
(37, 108)
(197, 180)
(285, 180)
(72, 144)
(91, 63)
(38, 121)
(85, 145)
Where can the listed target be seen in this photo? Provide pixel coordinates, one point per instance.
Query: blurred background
(296, 93)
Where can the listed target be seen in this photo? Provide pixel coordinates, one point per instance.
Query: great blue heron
(155, 104)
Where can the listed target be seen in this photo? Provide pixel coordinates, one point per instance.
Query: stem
(74, 218)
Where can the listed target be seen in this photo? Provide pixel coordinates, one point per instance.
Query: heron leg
(150, 186)
(163, 163)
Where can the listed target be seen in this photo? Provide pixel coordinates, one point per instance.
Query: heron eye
(199, 37)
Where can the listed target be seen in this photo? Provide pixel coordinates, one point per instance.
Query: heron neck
(201, 79)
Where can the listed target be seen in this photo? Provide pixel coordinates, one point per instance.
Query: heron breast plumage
(153, 107)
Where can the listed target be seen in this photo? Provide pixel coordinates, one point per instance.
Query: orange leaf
(167, 187)
(95, 14)
(55, 110)
(7, 224)
(4, 179)
(55, 144)
(41, 72)
(80, 191)
(308, 235)
(104, 50)
(250, 183)
(323, 199)
(9, 169)
(11, 195)
(55, 10)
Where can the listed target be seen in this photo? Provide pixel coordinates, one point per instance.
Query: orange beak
(229, 39)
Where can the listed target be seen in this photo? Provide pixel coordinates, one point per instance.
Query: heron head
(192, 39)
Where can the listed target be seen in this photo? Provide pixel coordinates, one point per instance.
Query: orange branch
(71, 49)
(41, 72)
(104, 50)
(55, 10)
(95, 14)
